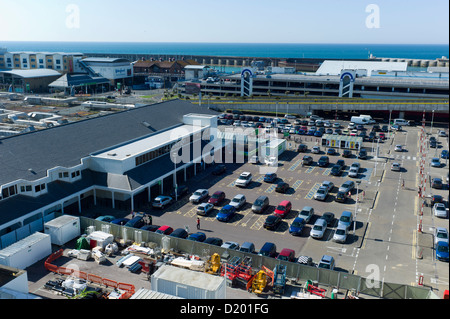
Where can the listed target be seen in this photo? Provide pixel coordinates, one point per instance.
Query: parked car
(362, 153)
(315, 150)
(331, 151)
(230, 245)
(302, 148)
(326, 262)
(445, 154)
(297, 226)
(442, 251)
(440, 234)
(328, 217)
(329, 185)
(336, 170)
(353, 172)
(436, 199)
(270, 177)
(271, 161)
(348, 186)
(346, 219)
(179, 192)
(226, 213)
(398, 148)
(282, 187)
(219, 169)
(307, 160)
(254, 159)
(272, 222)
(437, 183)
(341, 197)
(340, 234)
(319, 228)
(323, 161)
(136, 222)
(217, 198)
(179, 233)
(286, 254)
(161, 201)
(244, 179)
(198, 236)
(435, 162)
(214, 241)
(105, 218)
(268, 249)
(442, 134)
(433, 144)
(238, 201)
(439, 210)
(305, 260)
(346, 153)
(283, 209)
(199, 195)
(152, 228)
(395, 167)
(260, 204)
(306, 213)
(120, 221)
(165, 230)
(204, 208)
(321, 193)
(247, 247)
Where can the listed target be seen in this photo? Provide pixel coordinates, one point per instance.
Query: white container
(101, 239)
(63, 229)
(26, 251)
(188, 284)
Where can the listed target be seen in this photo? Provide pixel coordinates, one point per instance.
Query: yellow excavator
(212, 265)
(261, 280)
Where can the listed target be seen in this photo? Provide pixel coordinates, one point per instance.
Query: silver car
(319, 228)
(353, 172)
(340, 235)
(435, 162)
(440, 234)
(230, 245)
(347, 186)
(328, 185)
(198, 195)
(439, 210)
(321, 193)
(395, 167)
(238, 201)
(204, 208)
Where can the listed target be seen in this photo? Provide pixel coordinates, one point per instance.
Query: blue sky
(261, 21)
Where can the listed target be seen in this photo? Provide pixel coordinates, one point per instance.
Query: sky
(227, 21)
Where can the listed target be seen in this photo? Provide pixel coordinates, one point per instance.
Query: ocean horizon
(275, 50)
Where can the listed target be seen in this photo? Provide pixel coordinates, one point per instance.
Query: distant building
(27, 81)
(62, 62)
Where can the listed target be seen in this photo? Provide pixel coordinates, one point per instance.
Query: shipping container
(26, 251)
(63, 229)
(188, 284)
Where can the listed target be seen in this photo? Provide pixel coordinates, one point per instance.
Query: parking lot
(383, 241)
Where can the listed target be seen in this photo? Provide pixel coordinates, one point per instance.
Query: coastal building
(27, 81)
(121, 160)
(62, 62)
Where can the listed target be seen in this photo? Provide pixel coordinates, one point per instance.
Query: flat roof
(37, 73)
(334, 67)
(105, 60)
(149, 143)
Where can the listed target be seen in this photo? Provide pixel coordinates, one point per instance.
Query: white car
(238, 201)
(290, 116)
(230, 245)
(204, 208)
(395, 167)
(328, 185)
(271, 161)
(440, 234)
(244, 179)
(161, 201)
(336, 125)
(319, 228)
(398, 148)
(439, 210)
(340, 234)
(198, 195)
(254, 159)
(435, 162)
(351, 126)
(353, 172)
(442, 134)
(321, 193)
(315, 150)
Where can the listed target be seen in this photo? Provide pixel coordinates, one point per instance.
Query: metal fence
(294, 271)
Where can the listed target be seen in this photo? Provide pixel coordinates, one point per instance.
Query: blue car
(120, 221)
(199, 236)
(106, 218)
(318, 134)
(297, 226)
(311, 132)
(301, 132)
(270, 177)
(226, 213)
(444, 154)
(442, 251)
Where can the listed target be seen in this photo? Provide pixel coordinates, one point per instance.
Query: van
(247, 247)
(401, 122)
(268, 249)
(260, 204)
(369, 118)
(359, 120)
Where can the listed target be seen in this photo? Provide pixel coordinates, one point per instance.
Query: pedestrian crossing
(405, 157)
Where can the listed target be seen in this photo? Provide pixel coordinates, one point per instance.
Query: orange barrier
(129, 289)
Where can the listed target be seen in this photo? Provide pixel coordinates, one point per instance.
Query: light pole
(432, 118)
(356, 206)
(174, 156)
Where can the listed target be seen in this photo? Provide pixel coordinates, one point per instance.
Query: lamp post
(174, 156)
(432, 118)
(356, 206)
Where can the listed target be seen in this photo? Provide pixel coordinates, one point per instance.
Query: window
(39, 188)
(41, 60)
(58, 61)
(9, 191)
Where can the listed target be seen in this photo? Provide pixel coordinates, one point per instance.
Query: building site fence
(294, 271)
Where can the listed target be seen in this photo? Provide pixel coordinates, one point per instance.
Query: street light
(432, 118)
(356, 206)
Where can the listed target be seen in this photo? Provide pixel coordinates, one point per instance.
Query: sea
(275, 50)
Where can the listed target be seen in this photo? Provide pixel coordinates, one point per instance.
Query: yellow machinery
(213, 264)
(259, 282)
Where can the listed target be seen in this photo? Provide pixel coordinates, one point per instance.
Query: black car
(336, 170)
(436, 183)
(341, 197)
(219, 169)
(331, 151)
(362, 154)
(384, 128)
(341, 163)
(282, 187)
(181, 191)
(272, 222)
(433, 143)
(214, 241)
(323, 161)
(179, 233)
(371, 136)
(436, 199)
(376, 128)
(307, 160)
(302, 148)
(328, 217)
(346, 153)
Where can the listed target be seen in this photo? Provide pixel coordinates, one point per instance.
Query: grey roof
(105, 60)
(37, 73)
(28, 156)
(69, 80)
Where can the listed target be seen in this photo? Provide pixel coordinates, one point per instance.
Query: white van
(359, 120)
(401, 122)
(369, 118)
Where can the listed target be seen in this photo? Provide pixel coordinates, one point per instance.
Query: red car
(382, 136)
(165, 230)
(287, 254)
(283, 208)
(217, 198)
